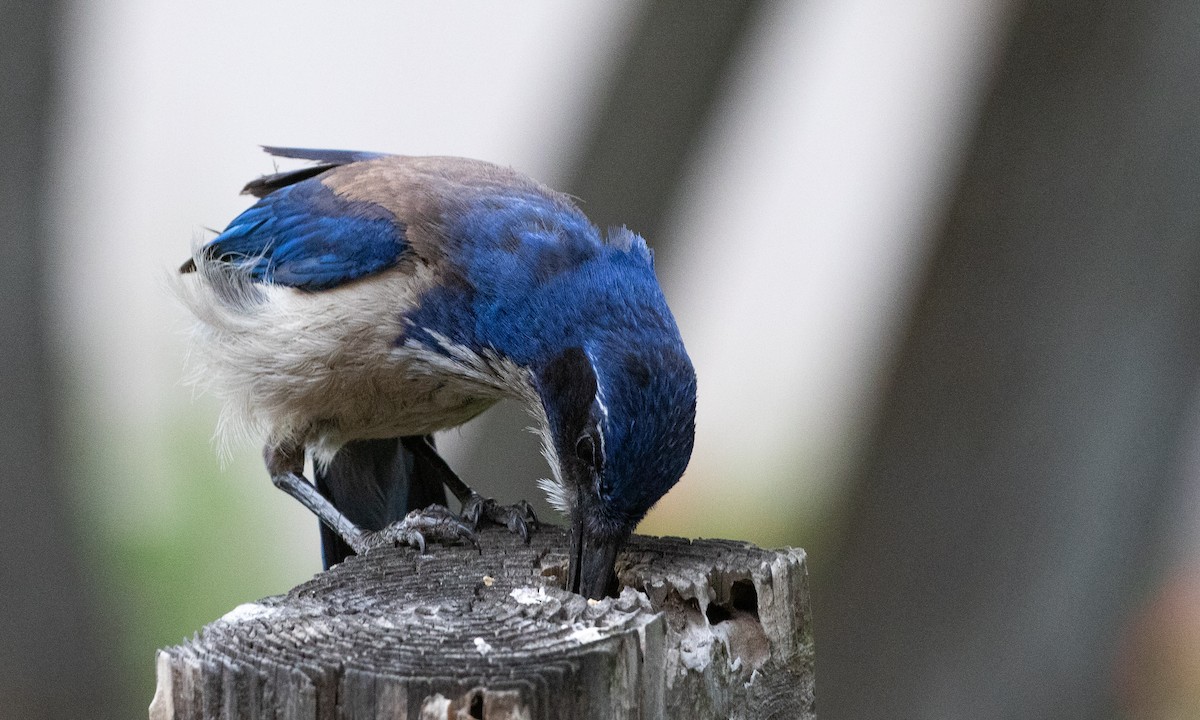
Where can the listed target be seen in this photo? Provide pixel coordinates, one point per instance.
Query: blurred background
(937, 264)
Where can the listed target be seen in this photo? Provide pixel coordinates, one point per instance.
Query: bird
(368, 300)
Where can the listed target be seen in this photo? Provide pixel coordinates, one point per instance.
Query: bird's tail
(375, 483)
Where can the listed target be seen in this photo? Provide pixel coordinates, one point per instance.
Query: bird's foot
(518, 518)
(435, 522)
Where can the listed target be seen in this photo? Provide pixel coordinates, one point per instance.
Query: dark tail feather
(328, 160)
(323, 155)
(268, 184)
(375, 483)
(434, 476)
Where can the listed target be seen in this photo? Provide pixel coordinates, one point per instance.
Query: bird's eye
(585, 450)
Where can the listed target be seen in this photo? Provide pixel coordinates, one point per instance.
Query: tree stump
(701, 629)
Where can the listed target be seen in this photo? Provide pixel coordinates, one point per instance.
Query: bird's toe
(518, 518)
(435, 522)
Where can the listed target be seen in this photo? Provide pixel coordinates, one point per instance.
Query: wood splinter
(701, 629)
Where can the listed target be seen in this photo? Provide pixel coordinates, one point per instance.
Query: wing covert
(305, 236)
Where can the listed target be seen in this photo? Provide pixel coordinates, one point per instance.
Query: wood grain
(702, 629)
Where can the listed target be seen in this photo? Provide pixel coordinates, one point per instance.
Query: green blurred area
(219, 536)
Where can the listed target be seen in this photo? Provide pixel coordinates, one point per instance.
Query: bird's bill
(591, 562)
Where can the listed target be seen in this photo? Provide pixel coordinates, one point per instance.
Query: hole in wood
(743, 596)
(476, 710)
(717, 614)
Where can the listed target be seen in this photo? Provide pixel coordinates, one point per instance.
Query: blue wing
(304, 235)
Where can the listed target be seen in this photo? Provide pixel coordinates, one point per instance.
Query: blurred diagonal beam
(661, 96)
(50, 664)
(1012, 506)
(647, 124)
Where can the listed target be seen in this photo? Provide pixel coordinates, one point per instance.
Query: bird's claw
(518, 518)
(435, 522)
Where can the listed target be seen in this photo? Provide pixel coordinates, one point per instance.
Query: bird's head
(620, 420)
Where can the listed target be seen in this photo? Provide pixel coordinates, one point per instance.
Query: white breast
(324, 368)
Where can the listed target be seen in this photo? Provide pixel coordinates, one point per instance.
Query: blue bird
(370, 300)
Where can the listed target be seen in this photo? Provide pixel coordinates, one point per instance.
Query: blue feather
(518, 257)
(305, 236)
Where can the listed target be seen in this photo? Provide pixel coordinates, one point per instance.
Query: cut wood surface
(702, 629)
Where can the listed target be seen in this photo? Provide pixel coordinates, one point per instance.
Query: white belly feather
(323, 368)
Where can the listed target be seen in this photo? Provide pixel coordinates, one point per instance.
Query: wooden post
(702, 629)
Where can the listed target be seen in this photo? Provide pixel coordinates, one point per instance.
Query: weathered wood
(702, 629)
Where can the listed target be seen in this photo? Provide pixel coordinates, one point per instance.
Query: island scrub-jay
(369, 300)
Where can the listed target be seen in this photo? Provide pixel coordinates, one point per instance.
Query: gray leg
(286, 466)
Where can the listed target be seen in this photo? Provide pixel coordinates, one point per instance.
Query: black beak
(591, 562)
